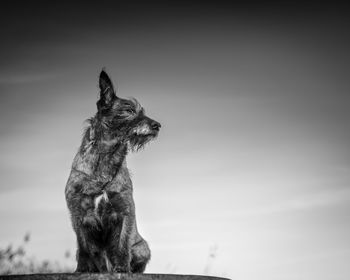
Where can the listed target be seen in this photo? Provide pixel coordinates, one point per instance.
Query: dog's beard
(138, 141)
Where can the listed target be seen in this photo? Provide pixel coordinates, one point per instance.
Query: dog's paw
(122, 269)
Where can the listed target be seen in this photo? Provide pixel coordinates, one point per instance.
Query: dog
(99, 191)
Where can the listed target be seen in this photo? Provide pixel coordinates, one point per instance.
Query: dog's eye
(130, 111)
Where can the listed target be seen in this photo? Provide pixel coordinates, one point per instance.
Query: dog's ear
(107, 94)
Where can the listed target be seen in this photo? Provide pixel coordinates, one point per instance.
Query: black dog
(99, 189)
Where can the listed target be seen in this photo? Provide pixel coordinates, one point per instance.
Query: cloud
(25, 78)
(302, 203)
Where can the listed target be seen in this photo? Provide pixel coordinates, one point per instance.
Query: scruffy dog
(99, 189)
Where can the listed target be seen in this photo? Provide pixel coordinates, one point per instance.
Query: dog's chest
(99, 198)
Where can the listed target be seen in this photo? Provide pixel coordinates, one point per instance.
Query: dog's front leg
(119, 250)
(124, 248)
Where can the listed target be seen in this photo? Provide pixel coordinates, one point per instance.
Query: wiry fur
(107, 235)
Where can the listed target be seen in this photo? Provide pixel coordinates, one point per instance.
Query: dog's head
(123, 119)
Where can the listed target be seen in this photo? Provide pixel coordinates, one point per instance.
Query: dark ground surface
(107, 276)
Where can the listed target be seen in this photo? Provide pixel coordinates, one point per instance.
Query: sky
(249, 177)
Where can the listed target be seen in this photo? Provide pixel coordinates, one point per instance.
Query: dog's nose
(155, 125)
